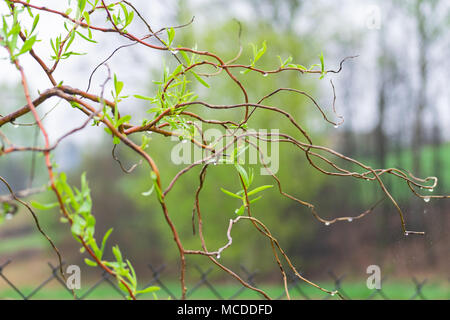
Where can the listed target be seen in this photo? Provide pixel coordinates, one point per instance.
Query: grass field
(353, 290)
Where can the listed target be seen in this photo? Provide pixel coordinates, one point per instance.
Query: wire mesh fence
(295, 285)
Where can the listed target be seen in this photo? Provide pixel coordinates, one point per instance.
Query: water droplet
(350, 219)
(367, 179)
(183, 141)
(327, 223)
(218, 256)
(336, 126)
(427, 199)
(406, 233)
(15, 125)
(174, 51)
(431, 190)
(213, 161)
(8, 216)
(265, 74)
(333, 293)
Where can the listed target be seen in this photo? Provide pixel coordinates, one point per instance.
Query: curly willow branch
(102, 111)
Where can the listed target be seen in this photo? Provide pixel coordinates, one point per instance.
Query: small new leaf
(231, 194)
(170, 35)
(203, 82)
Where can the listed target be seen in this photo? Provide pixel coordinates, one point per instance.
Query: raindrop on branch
(427, 199)
(327, 223)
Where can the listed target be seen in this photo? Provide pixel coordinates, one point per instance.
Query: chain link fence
(294, 284)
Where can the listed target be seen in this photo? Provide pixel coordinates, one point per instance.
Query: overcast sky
(345, 18)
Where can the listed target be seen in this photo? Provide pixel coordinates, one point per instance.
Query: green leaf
(81, 5)
(91, 242)
(132, 277)
(203, 82)
(108, 130)
(85, 207)
(90, 221)
(143, 97)
(148, 289)
(285, 62)
(230, 194)
(240, 211)
(170, 35)
(298, 66)
(105, 238)
(85, 38)
(260, 52)
(28, 44)
(90, 263)
(71, 38)
(44, 206)
(75, 105)
(123, 120)
(117, 254)
(129, 18)
(149, 192)
(35, 22)
(322, 66)
(256, 199)
(155, 183)
(243, 174)
(84, 185)
(87, 17)
(78, 225)
(251, 176)
(122, 286)
(118, 86)
(186, 57)
(259, 189)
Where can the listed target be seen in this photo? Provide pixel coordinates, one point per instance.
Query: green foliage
(257, 54)
(174, 88)
(6, 209)
(322, 66)
(291, 223)
(78, 205)
(178, 84)
(10, 31)
(247, 179)
(170, 36)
